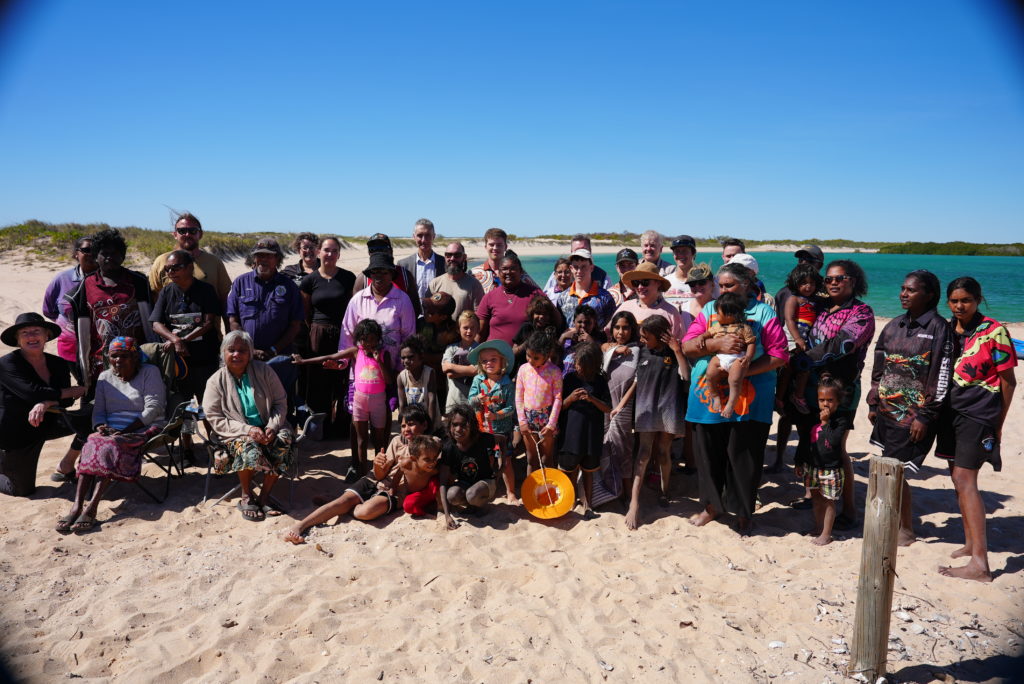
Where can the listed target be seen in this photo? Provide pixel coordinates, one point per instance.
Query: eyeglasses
(174, 268)
(642, 283)
(187, 231)
(836, 279)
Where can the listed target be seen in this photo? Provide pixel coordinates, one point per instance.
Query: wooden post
(877, 569)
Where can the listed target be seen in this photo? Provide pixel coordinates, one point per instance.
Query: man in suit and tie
(423, 266)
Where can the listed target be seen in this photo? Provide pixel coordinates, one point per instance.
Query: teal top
(248, 399)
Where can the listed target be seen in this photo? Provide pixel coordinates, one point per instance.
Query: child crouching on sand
(394, 473)
(823, 475)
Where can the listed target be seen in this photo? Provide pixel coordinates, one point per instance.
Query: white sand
(503, 598)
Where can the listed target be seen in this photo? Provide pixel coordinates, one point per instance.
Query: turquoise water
(1001, 278)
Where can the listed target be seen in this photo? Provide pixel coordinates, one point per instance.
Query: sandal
(83, 524)
(251, 511)
(57, 476)
(801, 504)
(64, 524)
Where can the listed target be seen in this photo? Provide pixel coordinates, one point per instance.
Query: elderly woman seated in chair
(129, 410)
(246, 406)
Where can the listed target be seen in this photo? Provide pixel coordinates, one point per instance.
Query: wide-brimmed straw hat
(646, 271)
(500, 346)
(28, 320)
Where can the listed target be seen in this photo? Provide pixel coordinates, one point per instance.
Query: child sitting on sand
(823, 474)
(467, 465)
(394, 473)
(417, 383)
(730, 319)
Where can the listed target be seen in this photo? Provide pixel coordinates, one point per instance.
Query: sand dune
(177, 591)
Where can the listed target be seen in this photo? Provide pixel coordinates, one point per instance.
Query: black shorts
(366, 488)
(894, 439)
(568, 462)
(962, 442)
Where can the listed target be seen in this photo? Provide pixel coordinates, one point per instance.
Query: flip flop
(270, 512)
(84, 524)
(801, 504)
(251, 508)
(64, 524)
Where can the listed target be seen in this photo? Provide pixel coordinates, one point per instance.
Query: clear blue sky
(869, 120)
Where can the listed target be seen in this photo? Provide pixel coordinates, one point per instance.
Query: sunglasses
(836, 279)
(642, 283)
(174, 268)
(456, 255)
(85, 250)
(187, 231)
(699, 283)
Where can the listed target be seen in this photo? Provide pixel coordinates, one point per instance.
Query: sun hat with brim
(379, 260)
(28, 320)
(699, 272)
(646, 271)
(500, 346)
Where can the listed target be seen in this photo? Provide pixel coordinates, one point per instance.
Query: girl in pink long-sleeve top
(538, 401)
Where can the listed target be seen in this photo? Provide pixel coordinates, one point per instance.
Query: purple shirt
(394, 313)
(265, 309)
(55, 307)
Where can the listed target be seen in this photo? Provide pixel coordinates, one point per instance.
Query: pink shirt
(369, 377)
(680, 321)
(539, 390)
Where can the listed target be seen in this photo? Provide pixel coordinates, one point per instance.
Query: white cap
(582, 253)
(744, 259)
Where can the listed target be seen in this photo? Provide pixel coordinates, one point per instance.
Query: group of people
(598, 374)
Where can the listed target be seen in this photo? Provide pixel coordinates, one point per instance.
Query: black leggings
(18, 466)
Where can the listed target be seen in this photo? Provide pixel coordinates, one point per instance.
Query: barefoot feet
(906, 537)
(962, 552)
(701, 519)
(294, 535)
(633, 517)
(971, 571)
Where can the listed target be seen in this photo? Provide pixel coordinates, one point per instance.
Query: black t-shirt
(597, 388)
(472, 465)
(182, 312)
(329, 295)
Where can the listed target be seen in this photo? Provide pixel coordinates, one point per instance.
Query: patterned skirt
(245, 454)
(118, 457)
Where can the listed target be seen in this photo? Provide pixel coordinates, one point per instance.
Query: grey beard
(457, 268)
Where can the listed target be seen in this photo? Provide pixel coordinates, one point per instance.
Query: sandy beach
(181, 591)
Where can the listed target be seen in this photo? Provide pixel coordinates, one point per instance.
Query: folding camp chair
(166, 439)
(214, 444)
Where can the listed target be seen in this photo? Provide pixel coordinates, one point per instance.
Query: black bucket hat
(28, 320)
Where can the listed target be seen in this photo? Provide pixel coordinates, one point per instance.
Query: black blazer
(408, 264)
(21, 388)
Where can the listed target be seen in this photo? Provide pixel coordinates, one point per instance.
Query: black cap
(684, 241)
(626, 255)
(378, 237)
(267, 246)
